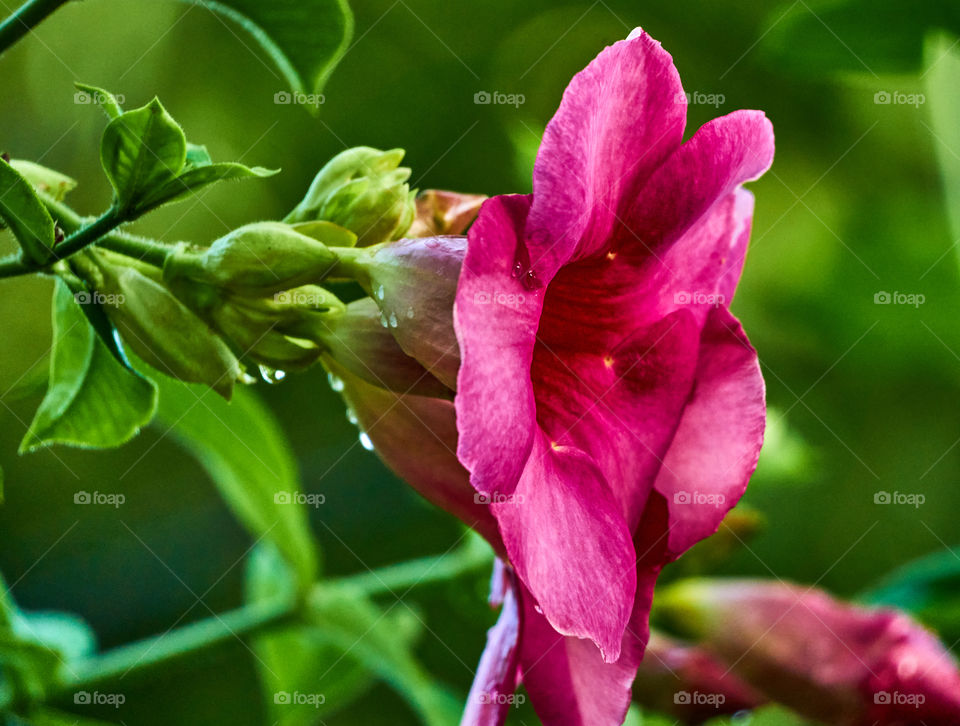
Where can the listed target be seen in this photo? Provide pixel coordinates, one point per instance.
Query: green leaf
(25, 215)
(106, 100)
(344, 618)
(197, 155)
(298, 659)
(244, 450)
(304, 38)
(50, 182)
(197, 177)
(928, 588)
(943, 96)
(98, 319)
(142, 150)
(92, 401)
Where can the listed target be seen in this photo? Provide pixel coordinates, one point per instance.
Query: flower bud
(164, 333)
(441, 212)
(825, 659)
(364, 190)
(263, 257)
(414, 282)
(360, 343)
(689, 683)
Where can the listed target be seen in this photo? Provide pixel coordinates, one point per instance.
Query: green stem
(135, 658)
(24, 19)
(141, 248)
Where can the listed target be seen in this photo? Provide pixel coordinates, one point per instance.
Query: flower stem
(24, 19)
(135, 658)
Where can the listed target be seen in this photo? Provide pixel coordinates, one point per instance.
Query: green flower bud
(264, 257)
(364, 190)
(164, 333)
(257, 335)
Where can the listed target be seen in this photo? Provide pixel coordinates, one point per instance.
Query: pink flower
(609, 409)
(825, 659)
(608, 403)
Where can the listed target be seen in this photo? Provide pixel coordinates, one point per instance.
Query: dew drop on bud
(410, 313)
(531, 281)
(393, 320)
(335, 383)
(351, 416)
(383, 319)
(365, 441)
(270, 375)
(246, 379)
(380, 293)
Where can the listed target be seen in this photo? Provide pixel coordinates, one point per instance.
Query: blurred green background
(863, 396)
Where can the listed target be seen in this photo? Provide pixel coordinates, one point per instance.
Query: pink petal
(620, 404)
(431, 467)
(496, 320)
(568, 682)
(496, 677)
(722, 155)
(619, 119)
(716, 446)
(567, 539)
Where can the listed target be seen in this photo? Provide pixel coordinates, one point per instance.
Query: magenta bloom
(608, 403)
(827, 660)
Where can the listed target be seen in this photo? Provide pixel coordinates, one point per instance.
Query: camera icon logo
(882, 698)
(283, 298)
(282, 498)
(482, 98)
(681, 298)
(682, 698)
(882, 498)
(482, 298)
(281, 698)
(82, 97)
(282, 97)
(681, 497)
(82, 698)
(82, 298)
(882, 98)
(882, 298)
(81, 498)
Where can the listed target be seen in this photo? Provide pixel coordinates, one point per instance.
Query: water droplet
(365, 441)
(247, 380)
(351, 416)
(270, 375)
(383, 319)
(335, 383)
(380, 293)
(538, 609)
(393, 320)
(531, 281)
(517, 270)
(410, 313)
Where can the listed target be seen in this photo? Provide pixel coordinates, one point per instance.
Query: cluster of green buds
(253, 298)
(364, 190)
